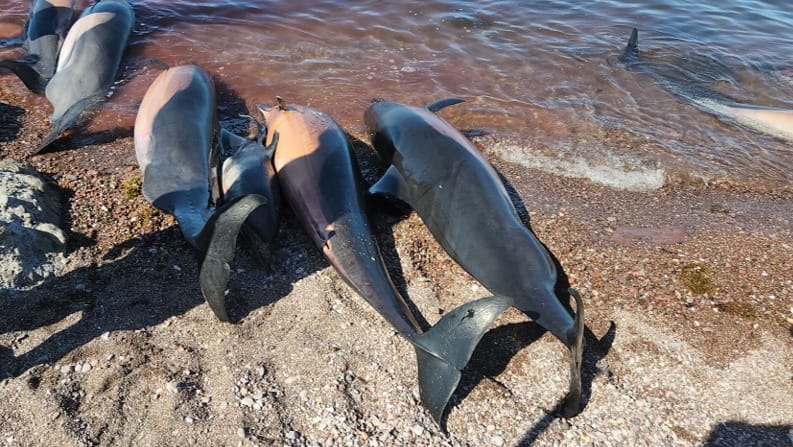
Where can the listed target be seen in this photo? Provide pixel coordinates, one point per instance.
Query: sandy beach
(689, 308)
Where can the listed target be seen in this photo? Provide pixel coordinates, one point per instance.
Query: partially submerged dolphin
(774, 121)
(437, 171)
(45, 31)
(174, 132)
(88, 63)
(320, 179)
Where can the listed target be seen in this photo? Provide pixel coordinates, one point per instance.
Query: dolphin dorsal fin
(441, 103)
(631, 51)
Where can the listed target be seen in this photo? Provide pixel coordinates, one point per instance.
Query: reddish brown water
(543, 81)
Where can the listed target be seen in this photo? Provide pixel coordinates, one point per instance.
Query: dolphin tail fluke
(572, 405)
(27, 74)
(444, 350)
(67, 121)
(631, 52)
(216, 244)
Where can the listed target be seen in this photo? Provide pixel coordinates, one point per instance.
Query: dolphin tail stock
(445, 349)
(216, 243)
(572, 405)
(67, 121)
(442, 103)
(631, 52)
(27, 74)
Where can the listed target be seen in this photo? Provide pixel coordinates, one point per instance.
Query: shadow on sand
(141, 283)
(738, 434)
(9, 122)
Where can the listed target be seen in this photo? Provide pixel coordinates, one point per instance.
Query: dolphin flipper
(216, 243)
(27, 74)
(445, 349)
(392, 184)
(67, 120)
(572, 405)
(441, 103)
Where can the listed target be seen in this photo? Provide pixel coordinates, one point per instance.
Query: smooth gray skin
(174, 131)
(248, 169)
(45, 32)
(461, 199)
(88, 63)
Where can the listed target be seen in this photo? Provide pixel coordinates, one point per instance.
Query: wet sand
(689, 295)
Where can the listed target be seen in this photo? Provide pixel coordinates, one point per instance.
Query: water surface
(541, 79)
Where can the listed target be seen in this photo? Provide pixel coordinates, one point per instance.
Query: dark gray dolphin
(459, 196)
(320, 179)
(247, 168)
(774, 121)
(45, 31)
(88, 63)
(174, 132)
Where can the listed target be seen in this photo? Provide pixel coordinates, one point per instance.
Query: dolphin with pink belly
(45, 32)
(457, 193)
(174, 132)
(774, 121)
(88, 63)
(319, 178)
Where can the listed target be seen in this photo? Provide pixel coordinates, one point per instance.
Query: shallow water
(542, 79)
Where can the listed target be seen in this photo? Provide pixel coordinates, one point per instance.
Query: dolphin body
(174, 132)
(88, 63)
(319, 178)
(45, 31)
(774, 121)
(437, 171)
(248, 169)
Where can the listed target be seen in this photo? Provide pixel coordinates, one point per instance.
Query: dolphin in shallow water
(439, 173)
(774, 121)
(320, 179)
(88, 63)
(174, 132)
(45, 31)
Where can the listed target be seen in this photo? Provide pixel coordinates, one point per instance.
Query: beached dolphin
(457, 193)
(320, 179)
(88, 63)
(774, 121)
(247, 168)
(174, 132)
(45, 31)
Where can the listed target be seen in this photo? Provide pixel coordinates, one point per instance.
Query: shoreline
(680, 368)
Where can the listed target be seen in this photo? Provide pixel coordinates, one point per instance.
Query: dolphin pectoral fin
(216, 243)
(631, 52)
(444, 350)
(27, 74)
(392, 184)
(572, 405)
(442, 103)
(67, 120)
